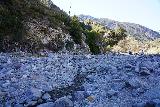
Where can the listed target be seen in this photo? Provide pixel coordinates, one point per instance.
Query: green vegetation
(115, 36)
(92, 38)
(13, 31)
(14, 14)
(11, 26)
(76, 30)
(96, 39)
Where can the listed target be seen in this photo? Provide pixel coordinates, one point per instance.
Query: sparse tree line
(95, 34)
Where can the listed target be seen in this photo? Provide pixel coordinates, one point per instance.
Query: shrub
(76, 30)
(92, 38)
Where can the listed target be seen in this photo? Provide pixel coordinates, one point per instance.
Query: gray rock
(129, 67)
(36, 92)
(153, 93)
(80, 95)
(40, 101)
(63, 102)
(46, 97)
(8, 104)
(150, 65)
(138, 92)
(144, 71)
(48, 104)
(138, 105)
(17, 105)
(157, 101)
(133, 83)
(31, 103)
(112, 93)
(150, 104)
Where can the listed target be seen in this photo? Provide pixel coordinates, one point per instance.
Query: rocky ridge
(62, 80)
(138, 31)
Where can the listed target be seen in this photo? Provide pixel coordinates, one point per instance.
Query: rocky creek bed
(62, 80)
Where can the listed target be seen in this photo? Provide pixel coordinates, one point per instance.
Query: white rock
(46, 96)
(36, 92)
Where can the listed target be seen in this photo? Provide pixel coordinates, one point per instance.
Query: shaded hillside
(138, 31)
(35, 25)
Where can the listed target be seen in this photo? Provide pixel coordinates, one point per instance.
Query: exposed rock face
(50, 4)
(54, 39)
(79, 80)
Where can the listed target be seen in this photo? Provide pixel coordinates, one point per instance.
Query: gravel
(109, 80)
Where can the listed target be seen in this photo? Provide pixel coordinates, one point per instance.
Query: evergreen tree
(76, 30)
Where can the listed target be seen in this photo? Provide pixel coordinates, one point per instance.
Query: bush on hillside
(92, 38)
(14, 14)
(76, 30)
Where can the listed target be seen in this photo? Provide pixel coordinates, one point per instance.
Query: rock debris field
(62, 80)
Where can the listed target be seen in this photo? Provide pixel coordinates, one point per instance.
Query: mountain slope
(138, 31)
(33, 26)
(26, 24)
(139, 38)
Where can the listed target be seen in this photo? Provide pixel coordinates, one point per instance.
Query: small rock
(138, 105)
(48, 104)
(144, 71)
(40, 100)
(133, 83)
(8, 104)
(129, 67)
(46, 97)
(150, 104)
(36, 92)
(88, 56)
(112, 93)
(138, 92)
(157, 101)
(130, 53)
(90, 98)
(17, 105)
(80, 95)
(3, 93)
(31, 103)
(153, 93)
(63, 102)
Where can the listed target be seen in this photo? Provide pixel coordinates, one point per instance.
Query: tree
(92, 39)
(76, 30)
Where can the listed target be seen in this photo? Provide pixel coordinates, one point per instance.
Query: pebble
(118, 80)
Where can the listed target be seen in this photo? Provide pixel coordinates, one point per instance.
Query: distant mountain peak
(138, 31)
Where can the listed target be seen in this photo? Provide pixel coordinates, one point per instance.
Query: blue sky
(144, 12)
